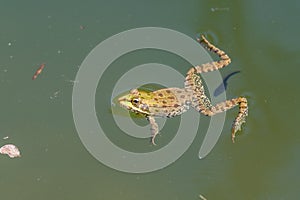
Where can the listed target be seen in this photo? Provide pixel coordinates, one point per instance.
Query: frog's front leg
(154, 128)
(204, 106)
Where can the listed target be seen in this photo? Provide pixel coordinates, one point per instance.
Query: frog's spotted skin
(170, 102)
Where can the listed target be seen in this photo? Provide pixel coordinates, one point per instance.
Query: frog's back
(169, 102)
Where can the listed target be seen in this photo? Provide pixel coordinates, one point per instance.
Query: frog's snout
(123, 101)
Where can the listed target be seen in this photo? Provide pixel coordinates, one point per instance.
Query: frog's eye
(135, 101)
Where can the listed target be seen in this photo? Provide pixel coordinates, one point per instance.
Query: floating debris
(72, 81)
(10, 150)
(81, 27)
(202, 197)
(38, 71)
(5, 138)
(55, 94)
(219, 9)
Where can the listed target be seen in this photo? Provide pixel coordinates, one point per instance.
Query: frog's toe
(153, 140)
(233, 135)
(235, 128)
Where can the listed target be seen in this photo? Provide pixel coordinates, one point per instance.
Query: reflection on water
(223, 86)
(261, 39)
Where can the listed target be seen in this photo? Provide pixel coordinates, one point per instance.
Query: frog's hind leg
(204, 106)
(211, 66)
(154, 128)
(201, 102)
(193, 81)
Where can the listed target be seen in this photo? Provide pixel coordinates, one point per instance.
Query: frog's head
(133, 102)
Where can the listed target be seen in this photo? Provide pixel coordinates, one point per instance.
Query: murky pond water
(262, 40)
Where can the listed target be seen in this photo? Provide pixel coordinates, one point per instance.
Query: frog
(171, 102)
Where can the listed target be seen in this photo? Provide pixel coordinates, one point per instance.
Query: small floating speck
(202, 197)
(9, 44)
(55, 94)
(11, 150)
(5, 138)
(72, 81)
(219, 9)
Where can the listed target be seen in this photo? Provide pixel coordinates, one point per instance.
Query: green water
(262, 40)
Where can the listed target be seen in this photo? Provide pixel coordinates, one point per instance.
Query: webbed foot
(240, 119)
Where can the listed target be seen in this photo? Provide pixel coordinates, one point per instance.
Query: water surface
(262, 40)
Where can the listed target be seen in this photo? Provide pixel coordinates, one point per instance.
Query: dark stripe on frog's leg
(154, 128)
(201, 103)
(193, 84)
(204, 106)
